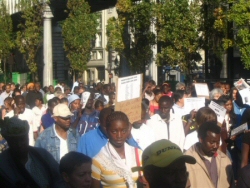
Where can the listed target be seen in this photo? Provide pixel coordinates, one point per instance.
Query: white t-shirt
(181, 111)
(63, 144)
(29, 116)
(144, 136)
(160, 129)
(38, 114)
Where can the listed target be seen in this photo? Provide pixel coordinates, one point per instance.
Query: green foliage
(79, 31)
(30, 34)
(178, 24)
(141, 19)
(6, 33)
(114, 35)
(130, 33)
(214, 27)
(240, 15)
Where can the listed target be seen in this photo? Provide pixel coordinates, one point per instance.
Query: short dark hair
(224, 99)
(152, 82)
(105, 113)
(8, 100)
(165, 99)
(51, 101)
(63, 100)
(71, 160)
(40, 98)
(208, 126)
(117, 115)
(205, 114)
(16, 90)
(76, 88)
(157, 91)
(98, 103)
(178, 94)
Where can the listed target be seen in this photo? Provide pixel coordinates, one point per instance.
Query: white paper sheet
(239, 129)
(201, 89)
(129, 88)
(194, 103)
(241, 84)
(245, 95)
(220, 111)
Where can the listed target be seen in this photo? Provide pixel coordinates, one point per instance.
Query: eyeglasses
(65, 118)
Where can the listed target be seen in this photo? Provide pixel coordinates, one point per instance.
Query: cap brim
(186, 158)
(163, 163)
(69, 115)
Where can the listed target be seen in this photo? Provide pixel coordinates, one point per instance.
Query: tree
(6, 35)
(130, 33)
(78, 31)
(236, 12)
(30, 34)
(141, 20)
(178, 24)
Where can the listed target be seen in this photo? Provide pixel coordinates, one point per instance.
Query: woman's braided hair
(117, 115)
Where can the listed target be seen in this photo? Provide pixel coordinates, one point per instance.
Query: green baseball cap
(161, 154)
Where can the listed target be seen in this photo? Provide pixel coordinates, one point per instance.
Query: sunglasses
(65, 118)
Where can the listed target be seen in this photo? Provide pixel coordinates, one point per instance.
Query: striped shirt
(105, 170)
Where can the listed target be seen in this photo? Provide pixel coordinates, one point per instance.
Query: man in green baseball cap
(163, 165)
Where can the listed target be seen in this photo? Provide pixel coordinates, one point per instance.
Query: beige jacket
(199, 175)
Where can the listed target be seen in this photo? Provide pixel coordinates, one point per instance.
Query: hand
(192, 114)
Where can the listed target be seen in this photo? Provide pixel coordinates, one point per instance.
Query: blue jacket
(91, 143)
(50, 142)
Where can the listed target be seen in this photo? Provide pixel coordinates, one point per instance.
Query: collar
(201, 154)
(157, 117)
(53, 131)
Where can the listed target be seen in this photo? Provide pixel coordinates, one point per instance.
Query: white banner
(129, 88)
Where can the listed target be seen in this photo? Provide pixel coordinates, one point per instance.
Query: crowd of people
(59, 136)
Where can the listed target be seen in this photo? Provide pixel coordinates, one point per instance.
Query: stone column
(47, 47)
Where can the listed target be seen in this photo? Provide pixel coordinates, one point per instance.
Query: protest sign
(241, 84)
(194, 103)
(239, 129)
(128, 98)
(244, 90)
(202, 90)
(245, 95)
(220, 111)
(129, 88)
